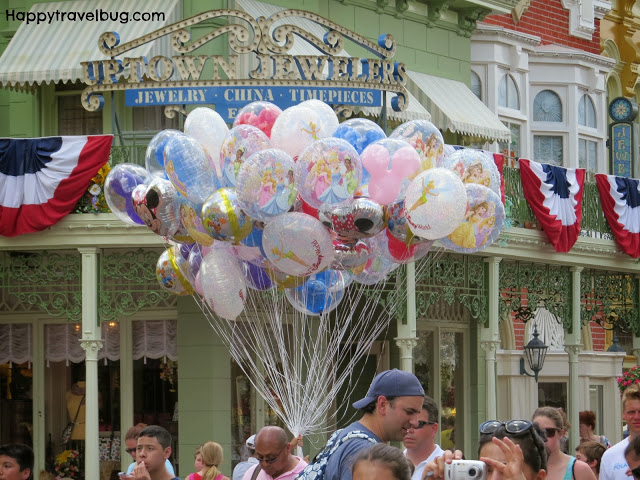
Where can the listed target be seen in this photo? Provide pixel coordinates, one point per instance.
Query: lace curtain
(153, 339)
(15, 343)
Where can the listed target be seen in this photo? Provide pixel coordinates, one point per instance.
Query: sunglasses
(550, 432)
(513, 427)
(422, 424)
(131, 451)
(270, 460)
(636, 473)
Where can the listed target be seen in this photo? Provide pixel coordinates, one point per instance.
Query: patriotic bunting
(555, 196)
(42, 179)
(620, 198)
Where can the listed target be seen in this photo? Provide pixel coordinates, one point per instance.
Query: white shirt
(613, 465)
(417, 473)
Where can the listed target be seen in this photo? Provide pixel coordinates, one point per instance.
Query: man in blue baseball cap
(391, 407)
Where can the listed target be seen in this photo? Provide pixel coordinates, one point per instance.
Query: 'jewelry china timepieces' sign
(278, 77)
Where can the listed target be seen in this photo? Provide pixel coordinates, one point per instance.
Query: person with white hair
(242, 467)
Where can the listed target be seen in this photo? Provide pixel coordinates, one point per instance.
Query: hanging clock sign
(621, 151)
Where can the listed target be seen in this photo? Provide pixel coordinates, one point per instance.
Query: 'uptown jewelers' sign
(276, 75)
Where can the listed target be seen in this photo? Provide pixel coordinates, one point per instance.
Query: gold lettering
(187, 67)
(263, 70)
(229, 66)
(160, 69)
(310, 66)
(91, 72)
(137, 67)
(284, 67)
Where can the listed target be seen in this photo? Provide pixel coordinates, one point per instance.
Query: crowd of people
(394, 409)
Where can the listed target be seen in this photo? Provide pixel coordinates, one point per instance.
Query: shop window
(596, 395)
(153, 119)
(508, 93)
(440, 367)
(476, 85)
(16, 394)
(74, 119)
(586, 112)
(588, 154)
(548, 149)
(552, 394)
(547, 107)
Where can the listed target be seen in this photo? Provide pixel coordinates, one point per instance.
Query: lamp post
(535, 351)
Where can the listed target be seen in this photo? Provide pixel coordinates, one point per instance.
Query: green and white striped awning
(453, 106)
(52, 52)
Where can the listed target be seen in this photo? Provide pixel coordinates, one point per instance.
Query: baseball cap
(251, 442)
(392, 383)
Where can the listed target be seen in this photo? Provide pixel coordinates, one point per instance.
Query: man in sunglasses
(613, 465)
(275, 461)
(419, 441)
(390, 409)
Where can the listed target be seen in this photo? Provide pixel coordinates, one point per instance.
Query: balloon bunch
(294, 200)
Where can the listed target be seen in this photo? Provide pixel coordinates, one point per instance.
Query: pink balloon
(387, 177)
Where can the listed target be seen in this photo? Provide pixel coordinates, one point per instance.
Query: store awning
(453, 106)
(52, 51)
(414, 111)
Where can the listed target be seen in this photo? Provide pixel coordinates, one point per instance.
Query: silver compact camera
(465, 470)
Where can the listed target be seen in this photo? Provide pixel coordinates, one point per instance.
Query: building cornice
(103, 230)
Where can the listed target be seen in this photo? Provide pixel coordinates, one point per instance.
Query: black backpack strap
(256, 472)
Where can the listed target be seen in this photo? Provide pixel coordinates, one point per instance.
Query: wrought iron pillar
(91, 343)
(407, 339)
(573, 346)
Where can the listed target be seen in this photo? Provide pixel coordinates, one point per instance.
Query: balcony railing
(518, 212)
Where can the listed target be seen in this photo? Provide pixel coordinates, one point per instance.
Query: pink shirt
(290, 475)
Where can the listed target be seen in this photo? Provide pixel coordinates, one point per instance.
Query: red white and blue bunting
(42, 179)
(620, 198)
(555, 196)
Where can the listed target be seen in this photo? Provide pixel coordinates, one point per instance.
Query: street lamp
(535, 351)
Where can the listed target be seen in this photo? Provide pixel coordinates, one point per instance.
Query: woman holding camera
(560, 466)
(512, 450)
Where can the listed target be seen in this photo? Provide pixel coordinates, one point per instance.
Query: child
(591, 453)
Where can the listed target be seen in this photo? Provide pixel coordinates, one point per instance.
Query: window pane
(595, 405)
(502, 91)
(582, 116)
(547, 149)
(476, 85)
(547, 107)
(16, 393)
(591, 113)
(152, 119)
(511, 151)
(512, 94)
(552, 394)
(582, 153)
(74, 119)
(592, 156)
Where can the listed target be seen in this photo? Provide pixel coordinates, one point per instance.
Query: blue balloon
(359, 132)
(254, 239)
(256, 277)
(321, 293)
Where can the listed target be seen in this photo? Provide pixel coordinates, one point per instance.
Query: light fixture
(535, 351)
(615, 344)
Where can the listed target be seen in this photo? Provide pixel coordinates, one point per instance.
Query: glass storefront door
(439, 363)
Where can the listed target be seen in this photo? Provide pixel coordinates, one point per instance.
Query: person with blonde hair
(613, 465)
(211, 453)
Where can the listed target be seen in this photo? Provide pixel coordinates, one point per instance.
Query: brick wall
(550, 21)
(597, 337)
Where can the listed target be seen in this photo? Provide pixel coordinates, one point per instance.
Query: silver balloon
(350, 255)
(359, 218)
(398, 227)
